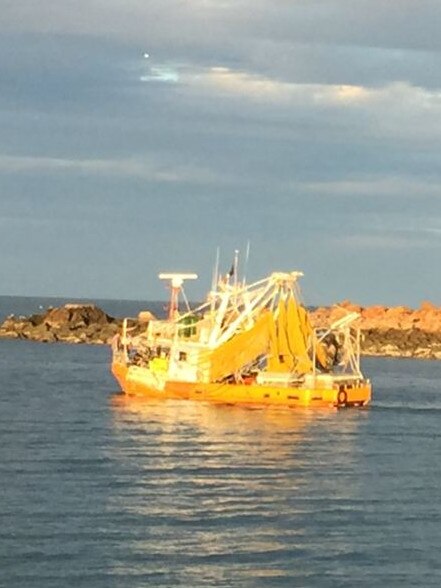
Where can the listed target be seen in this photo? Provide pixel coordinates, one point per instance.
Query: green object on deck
(189, 330)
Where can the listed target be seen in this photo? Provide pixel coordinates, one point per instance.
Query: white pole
(236, 266)
(247, 256)
(216, 270)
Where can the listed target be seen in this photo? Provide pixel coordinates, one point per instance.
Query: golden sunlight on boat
(247, 344)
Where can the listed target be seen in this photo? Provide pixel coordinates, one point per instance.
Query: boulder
(350, 306)
(145, 316)
(376, 312)
(76, 316)
(71, 323)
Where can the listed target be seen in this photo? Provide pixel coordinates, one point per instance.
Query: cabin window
(182, 356)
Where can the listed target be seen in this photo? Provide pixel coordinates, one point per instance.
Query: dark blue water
(99, 490)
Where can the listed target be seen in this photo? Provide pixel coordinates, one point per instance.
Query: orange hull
(132, 381)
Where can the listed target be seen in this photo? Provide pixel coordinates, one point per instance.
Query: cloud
(398, 97)
(133, 168)
(303, 121)
(161, 74)
(340, 40)
(372, 22)
(258, 87)
(399, 187)
(402, 240)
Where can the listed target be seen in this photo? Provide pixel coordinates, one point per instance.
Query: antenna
(247, 256)
(216, 270)
(176, 282)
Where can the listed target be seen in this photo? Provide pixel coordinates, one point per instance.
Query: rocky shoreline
(393, 332)
(396, 331)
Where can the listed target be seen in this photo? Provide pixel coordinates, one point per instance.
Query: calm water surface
(99, 490)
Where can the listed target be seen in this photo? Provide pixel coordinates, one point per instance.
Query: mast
(176, 283)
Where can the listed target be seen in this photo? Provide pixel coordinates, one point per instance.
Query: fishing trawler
(248, 344)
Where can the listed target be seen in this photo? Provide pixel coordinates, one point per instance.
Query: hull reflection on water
(227, 492)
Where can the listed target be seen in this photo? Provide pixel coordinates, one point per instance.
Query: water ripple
(101, 490)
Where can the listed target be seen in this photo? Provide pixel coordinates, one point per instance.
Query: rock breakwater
(388, 331)
(71, 323)
(396, 331)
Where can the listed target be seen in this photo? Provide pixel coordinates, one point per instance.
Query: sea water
(102, 490)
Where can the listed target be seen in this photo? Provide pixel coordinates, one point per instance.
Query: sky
(138, 136)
